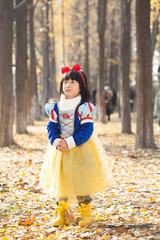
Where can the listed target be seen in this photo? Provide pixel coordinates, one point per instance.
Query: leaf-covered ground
(130, 210)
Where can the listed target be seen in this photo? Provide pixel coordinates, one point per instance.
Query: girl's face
(71, 88)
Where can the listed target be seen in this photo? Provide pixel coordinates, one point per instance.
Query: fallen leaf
(132, 156)
(121, 230)
(27, 222)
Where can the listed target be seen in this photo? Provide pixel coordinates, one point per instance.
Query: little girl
(76, 164)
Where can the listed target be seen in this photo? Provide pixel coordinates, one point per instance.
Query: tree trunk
(154, 34)
(113, 71)
(33, 99)
(86, 19)
(52, 83)
(100, 83)
(45, 53)
(21, 69)
(155, 31)
(77, 29)
(6, 84)
(157, 97)
(144, 131)
(125, 66)
(63, 36)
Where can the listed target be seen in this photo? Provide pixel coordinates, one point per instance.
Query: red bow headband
(76, 68)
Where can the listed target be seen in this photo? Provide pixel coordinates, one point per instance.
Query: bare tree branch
(113, 7)
(35, 5)
(20, 4)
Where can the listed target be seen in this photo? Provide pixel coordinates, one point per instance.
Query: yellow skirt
(80, 171)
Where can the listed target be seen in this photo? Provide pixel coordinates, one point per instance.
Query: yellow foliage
(135, 199)
(106, 237)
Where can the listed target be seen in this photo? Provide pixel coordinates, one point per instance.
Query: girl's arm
(84, 133)
(52, 126)
(53, 133)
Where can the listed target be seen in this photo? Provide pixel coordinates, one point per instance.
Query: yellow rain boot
(61, 219)
(85, 210)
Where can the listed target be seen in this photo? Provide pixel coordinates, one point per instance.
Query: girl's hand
(62, 146)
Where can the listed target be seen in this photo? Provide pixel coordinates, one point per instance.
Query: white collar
(68, 104)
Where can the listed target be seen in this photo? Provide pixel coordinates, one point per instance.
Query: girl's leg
(85, 210)
(62, 200)
(84, 199)
(62, 205)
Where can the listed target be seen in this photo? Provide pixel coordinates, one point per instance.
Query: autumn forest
(117, 44)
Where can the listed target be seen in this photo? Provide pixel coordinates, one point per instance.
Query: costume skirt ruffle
(80, 171)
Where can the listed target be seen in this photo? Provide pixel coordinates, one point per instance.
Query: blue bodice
(66, 119)
(76, 124)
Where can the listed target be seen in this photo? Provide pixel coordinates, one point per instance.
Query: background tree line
(112, 40)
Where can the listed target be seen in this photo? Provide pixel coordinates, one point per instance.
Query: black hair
(75, 75)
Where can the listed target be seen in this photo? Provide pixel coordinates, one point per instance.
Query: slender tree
(76, 41)
(21, 67)
(144, 131)
(45, 52)
(52, 81)
(124, 61)
(155, 31)
(63, 35)
(6, 84)
(113, 58)
(100, 83)
(86, 19)
(32, 99)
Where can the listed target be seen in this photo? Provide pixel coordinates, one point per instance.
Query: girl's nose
(68, 84)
